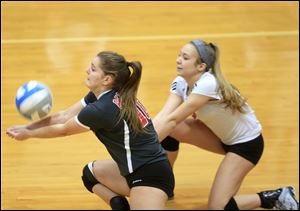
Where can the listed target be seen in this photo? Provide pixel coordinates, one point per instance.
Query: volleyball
(34, 100)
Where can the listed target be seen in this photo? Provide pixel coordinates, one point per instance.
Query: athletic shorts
(250, 150)
(158, 175)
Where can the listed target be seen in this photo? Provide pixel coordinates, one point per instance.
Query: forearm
(57, 118)
(51, 131)
(56, 130)
(157, 119)
(164, 128)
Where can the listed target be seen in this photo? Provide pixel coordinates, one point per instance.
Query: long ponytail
(128, 94)
(231, 95)
(126, 83)
(209, 54)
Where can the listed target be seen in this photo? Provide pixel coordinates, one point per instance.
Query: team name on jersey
(142, 113)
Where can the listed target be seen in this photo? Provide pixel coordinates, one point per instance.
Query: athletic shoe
(287, 200)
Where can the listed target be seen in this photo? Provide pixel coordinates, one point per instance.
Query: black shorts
(158, 175)
(250, 150)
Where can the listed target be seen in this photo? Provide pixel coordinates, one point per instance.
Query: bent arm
(166, 124)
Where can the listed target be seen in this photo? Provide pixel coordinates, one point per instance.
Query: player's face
(95, 75)
(186, 61)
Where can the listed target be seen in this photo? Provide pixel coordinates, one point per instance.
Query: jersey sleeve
(89, 98)
(178, 86)
(91, 117)
(207, 85)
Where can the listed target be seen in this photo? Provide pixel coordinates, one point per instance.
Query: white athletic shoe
(287, 200)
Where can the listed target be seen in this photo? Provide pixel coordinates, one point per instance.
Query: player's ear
(201, 67)
(108, 79)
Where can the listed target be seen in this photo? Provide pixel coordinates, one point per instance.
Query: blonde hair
(230, 94)
(126, 84)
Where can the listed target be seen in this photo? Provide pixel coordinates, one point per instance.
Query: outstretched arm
(166, 124)
(171, 104)
(57, 120)
(56, 130)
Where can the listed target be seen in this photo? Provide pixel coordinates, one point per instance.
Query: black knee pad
(170, 144)
(119, 203)
(88, 177)
(231, 205)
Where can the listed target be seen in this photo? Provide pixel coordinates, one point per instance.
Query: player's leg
(239, 160)
(197, 133)
(227, 182)
(151, 186)
(229, 177)
(147, 198)
(193, 132)
(282, 199)
(104, 179)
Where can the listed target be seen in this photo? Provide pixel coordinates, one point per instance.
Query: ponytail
(209, 54)
(128, 93)
(127, 76)
(231, 95)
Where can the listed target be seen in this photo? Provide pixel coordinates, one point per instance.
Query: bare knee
(99, 170)
(216, 206)
(102, 169)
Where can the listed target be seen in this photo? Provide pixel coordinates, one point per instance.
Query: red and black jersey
(129, 149)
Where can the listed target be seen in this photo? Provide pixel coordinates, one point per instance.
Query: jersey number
(143, 115)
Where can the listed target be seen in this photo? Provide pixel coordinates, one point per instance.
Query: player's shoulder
(179, 79)
(207, 76)
(207, 79)
(179, 82)
(102, 102)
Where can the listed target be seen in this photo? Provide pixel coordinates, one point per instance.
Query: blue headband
(203, 53)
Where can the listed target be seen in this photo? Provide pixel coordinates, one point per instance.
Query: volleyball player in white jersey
(223, 123)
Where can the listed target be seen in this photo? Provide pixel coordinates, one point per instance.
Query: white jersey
(231, 128)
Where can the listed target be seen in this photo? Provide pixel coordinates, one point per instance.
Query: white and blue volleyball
(34, 100)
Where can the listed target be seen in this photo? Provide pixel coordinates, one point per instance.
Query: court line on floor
(150, 37)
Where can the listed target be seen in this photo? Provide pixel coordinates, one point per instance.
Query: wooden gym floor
(54, 42)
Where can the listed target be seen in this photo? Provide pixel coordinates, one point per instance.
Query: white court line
(150, 38)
